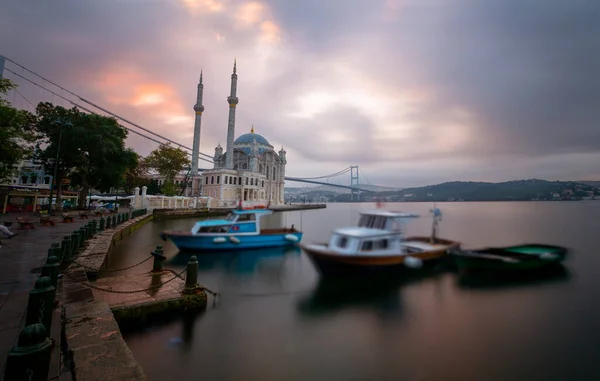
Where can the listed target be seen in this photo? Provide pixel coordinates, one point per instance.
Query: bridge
(30, 84)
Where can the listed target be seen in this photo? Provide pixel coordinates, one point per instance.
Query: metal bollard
(54, 250)
(41, 303)
(159, 257)
(101, 226)
(66, 248)
(75, 243)
(108, 219)
(94, 227)
(191, 275)
(30, 358)
(81, 237)
(114, 220)
(51, 270)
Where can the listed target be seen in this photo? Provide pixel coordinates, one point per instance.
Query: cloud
(412, 91)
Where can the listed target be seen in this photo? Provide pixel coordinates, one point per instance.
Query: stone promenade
(21, 259)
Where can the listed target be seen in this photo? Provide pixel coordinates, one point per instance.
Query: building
(249, 170)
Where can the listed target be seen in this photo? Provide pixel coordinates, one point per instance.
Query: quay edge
(212, 212)
(92, 321)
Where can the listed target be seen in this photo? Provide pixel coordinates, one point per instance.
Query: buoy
(219, 240)
(234, 239)
(548, 256)
(291, 237)
(413, 263)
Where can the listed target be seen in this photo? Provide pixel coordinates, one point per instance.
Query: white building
(250, 170)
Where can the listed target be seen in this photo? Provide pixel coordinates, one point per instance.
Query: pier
(79, 337)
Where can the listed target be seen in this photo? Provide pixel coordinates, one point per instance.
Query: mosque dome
(249, 139)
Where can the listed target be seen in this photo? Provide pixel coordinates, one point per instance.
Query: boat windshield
(372, 221)
(230, 217)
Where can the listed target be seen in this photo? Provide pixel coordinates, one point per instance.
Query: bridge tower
(354, 183)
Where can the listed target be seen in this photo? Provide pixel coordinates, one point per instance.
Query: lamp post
(60, 123)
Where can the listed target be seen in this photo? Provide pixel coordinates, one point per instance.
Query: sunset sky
(415, 92)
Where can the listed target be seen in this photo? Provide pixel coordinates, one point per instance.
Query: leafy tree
(168, 162)
(136, 176)
(16, 133)
(92, 149)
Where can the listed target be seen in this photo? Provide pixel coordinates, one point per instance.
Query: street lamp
(60, 123)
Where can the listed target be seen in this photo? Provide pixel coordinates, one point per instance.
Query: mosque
(249, 170)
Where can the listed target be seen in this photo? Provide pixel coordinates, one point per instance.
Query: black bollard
(108, 222)
(114, 220)
(81, 237)
(94, 227)
(191, 275)
(41, 303)
(29, 360)
(159, 257)
(66, 248)
(101, 226)
(51, 270)
(75, 243)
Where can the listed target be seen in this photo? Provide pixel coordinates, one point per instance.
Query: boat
(519, 257)
(241, 229)
(378, 243)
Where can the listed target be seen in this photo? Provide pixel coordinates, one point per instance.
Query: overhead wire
(95, 105)
(92, 112)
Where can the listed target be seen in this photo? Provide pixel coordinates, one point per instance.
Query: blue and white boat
(241, 229)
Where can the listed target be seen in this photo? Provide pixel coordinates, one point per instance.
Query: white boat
(377, 243)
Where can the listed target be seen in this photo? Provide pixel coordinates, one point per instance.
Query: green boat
(511, 258)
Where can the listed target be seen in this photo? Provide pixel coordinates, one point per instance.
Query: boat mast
(437, 216)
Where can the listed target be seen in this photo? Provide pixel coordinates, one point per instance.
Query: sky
(414, 92)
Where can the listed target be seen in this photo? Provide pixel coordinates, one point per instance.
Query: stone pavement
(21, 259)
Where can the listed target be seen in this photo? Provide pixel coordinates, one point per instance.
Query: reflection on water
(505, 279)
(235, 261)
(277, 320)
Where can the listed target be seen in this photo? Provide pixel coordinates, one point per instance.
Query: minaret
(198, 108)
(233, 101)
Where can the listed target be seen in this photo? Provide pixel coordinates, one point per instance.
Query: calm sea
(275, 320)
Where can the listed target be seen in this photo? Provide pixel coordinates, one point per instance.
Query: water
(276, 321)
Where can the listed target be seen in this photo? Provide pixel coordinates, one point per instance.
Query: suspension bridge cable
(101, 108)
(346, 170)
(92, 112)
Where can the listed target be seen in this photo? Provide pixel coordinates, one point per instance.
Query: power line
(92, 112)
(23, 96)
(99, 107)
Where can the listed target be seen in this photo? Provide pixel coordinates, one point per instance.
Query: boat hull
(330, 263)
(511, 258)
(228, 242)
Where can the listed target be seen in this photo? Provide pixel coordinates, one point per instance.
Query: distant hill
(592, 183)
(510, 190)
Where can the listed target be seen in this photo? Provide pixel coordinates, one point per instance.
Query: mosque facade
(249, 170)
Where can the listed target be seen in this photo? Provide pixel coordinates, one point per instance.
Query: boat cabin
(236, 222)
(384, 220)
(364, 241)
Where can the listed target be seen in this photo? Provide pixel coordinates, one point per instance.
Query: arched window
(212, 179)
(246, 181)
(274, 174)
(226, 177)
(235, 166)
(218, 178)
(263, 184)
(245, 165)
(260, 168)
(267, 172)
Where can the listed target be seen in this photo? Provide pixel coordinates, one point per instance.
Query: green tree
(168, 162)
(17, 133)
(92, 149)
(137, 175)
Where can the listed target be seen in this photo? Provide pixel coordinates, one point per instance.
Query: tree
(16, 133)
(136, 176)
(92, 149)
(168, 162)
